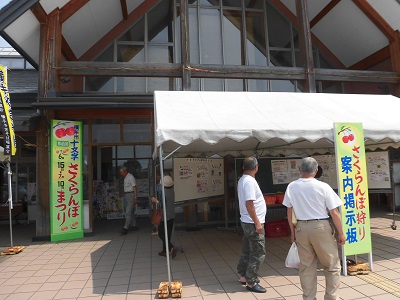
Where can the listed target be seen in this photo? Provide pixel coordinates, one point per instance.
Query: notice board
(378, 169)
(196, 178)
(274, 174)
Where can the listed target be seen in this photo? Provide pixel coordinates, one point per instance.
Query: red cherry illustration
(70, 131)
(351, 137)
(345, 139)
(60, 132)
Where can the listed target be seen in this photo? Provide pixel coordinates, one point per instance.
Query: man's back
(310, 198)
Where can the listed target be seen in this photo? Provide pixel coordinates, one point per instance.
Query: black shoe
(256, 288)
(133, 228)
(123, 231)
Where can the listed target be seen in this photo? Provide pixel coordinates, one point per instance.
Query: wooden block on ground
(358, 269)
(176, 295)
(176, 287)
(163, 290)
(13, 250)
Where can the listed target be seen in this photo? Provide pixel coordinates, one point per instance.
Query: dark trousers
(161, 233)
(253, 253)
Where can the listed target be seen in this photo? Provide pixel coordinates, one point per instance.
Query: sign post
(353, 190)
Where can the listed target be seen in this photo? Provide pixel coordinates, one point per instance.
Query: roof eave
(13, 10)
(21, 51)
(9, 14)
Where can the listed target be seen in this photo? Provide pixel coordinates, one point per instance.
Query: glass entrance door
(108, 196)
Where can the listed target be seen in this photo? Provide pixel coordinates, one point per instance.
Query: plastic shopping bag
(293, 259)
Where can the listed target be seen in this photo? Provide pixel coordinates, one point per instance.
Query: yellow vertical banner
(353, 187)
(7, 122)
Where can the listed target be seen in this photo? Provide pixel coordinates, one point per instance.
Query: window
(106, 131)
(137, 130)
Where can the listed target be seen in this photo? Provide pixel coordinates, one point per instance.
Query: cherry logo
(61, 132)
(70, 131)
(64, 130)
(348, 134)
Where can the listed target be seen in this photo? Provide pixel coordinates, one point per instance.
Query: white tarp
(236, 123)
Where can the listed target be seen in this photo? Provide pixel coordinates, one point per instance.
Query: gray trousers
(130, 219)
(253, 253)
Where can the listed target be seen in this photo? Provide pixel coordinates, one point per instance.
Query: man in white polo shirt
(252, 216)
(311, 200)
(130, 194)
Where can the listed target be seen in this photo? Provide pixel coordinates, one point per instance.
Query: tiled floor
(109, 266)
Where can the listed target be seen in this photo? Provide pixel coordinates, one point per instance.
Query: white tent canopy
(207, 123)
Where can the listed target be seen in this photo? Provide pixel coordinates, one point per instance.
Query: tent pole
(172, 152)
(165, 216)
(10, 204)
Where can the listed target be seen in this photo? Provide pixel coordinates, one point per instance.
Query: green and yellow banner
(353, 187)
(66, 194)
(7, 123)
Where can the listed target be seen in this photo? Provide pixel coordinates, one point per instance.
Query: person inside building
(311, 199)
(130, 194)
(252, 216)
(170, 216)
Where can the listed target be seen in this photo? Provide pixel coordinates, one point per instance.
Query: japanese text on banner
(353, 187)
(66, 180)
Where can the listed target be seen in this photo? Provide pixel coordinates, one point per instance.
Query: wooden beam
(111, 69)
(71, 8)
(53, 51)
(305, 45)
(185, 47)
(118, 69)
(39, 13)
(376, 18)
(43, 179)
(372, 60)
(357, 76)
(124, 9)
(90, 68)
(50, 36)
(323, 12)
(395, 58)
(247, 72)
(117, 30)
